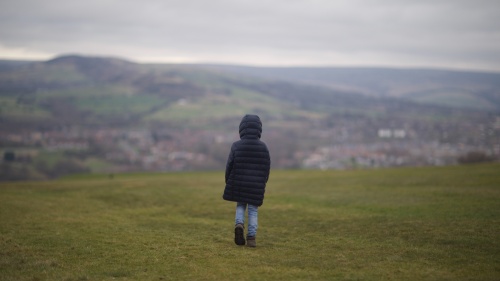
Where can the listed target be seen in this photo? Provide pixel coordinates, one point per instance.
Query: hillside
(116, 92)
(94, 114)
(457, 89)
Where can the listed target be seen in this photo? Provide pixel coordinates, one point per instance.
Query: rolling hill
(99, 114)
(458, 89)
(94, 89)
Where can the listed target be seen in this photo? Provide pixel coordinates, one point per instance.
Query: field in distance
(388, 224)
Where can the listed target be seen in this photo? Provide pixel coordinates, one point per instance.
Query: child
(247, 172)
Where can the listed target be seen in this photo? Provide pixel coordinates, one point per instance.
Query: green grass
(113, 105)
(104, 100)
(219, 106)
(97, 165)
(394, 224)
(11, 109)
(454, 99)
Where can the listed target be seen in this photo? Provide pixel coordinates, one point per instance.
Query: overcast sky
(458, 34)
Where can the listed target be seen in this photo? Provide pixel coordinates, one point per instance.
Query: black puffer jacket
(248, 165)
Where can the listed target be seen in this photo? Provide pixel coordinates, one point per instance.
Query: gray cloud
(440, 33)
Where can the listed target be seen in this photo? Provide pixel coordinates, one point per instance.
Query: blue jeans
(252, 217)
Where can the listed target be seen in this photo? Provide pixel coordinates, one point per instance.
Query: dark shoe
(239, 238)
(251, 242)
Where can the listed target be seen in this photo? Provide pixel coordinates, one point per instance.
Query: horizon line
(250, 65)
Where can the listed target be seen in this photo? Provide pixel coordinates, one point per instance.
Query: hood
(250, 127)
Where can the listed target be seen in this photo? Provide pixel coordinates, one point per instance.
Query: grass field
(392, 224)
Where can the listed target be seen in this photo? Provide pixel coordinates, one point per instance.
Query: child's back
(247, 172)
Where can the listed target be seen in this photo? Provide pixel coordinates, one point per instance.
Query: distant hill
(99, 90)
(110, 114)
(458, 89)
